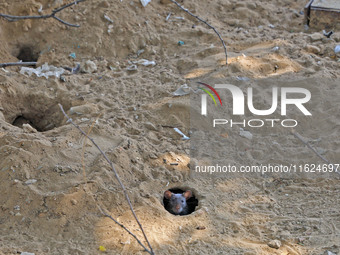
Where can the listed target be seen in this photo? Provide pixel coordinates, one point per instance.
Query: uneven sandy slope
(135, 112)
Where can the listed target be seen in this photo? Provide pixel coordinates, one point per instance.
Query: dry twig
(150, 251)
(52, 15)
(298, 136)
(210, 26)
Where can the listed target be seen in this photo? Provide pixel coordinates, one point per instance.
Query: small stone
(313, 49)
(88, 67)
(28, 128)
(30, 181)
(104, 4)
(316, 37)
(276, 244)
(150, 126)
(175, 178)
(84, 109)
(74, 202)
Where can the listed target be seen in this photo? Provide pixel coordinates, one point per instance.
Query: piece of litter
(182, 91)
(179, 18)
(168, 17)
(180, 132)
(276, 48)
(271, 26)
(145, 62)
(102, 248)
(27, 253)
(73, 55)
(239, 78)
(30, 181)
(132, 68)
(109, 29)
(330, 253)
(180, 43)
(43, 71)
(337, 49)
(145, 2)
(108, 18)
(246, 134)
(327, 34)
(139, 52)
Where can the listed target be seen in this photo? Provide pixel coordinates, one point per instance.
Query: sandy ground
(47, 207)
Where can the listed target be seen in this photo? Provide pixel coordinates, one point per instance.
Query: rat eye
(182, 201)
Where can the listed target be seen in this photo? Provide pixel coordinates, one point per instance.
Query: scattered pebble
(316, 37)
(28, 128)
(74, 202)
(150, 126)
(88, 66)
(313, 49)
(84, 109)
(276, 244)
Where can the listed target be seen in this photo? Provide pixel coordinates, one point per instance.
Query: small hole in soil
(28, 54)
(179, 201)
(40, 119)
(21, 120)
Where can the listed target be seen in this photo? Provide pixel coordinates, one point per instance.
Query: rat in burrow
(177, 204)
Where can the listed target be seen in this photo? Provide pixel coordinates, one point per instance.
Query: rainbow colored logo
(211, 95)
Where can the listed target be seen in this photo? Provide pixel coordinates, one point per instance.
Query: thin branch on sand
(150, 250)
(51, 15)
(298, 136)
(210, 26)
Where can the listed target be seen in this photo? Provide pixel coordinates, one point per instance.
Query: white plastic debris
(276, 48)
(337, 49)
(182, 91)
(43, 71)
(145, 2)
(146, 62)
(108, 18)
(246, 134)
(30, 181)
(27, 253)
(181, 133)
(131, 68)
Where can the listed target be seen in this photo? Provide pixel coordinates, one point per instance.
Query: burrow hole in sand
(38, 110)
(26, 53)
(192, 202)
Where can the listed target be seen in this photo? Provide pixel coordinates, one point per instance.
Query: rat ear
(167, 194)
(187, 194)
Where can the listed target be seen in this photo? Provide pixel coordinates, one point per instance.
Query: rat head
(177, 202)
